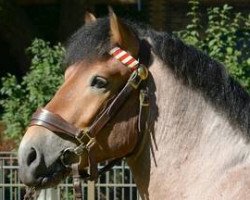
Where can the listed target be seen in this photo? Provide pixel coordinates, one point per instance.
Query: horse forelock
(89, 42)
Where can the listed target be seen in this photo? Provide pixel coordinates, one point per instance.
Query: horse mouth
(53, 179)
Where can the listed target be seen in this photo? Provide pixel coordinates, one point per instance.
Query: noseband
(86, 137)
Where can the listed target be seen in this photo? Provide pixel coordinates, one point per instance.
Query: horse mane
(195, 68)
(207, 75)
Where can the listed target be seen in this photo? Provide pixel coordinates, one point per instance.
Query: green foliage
(225, 37)
(34, 90)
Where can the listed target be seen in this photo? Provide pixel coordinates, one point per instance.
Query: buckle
(90, 143)
(137, 76)
(84, 145)
(84, 133)
(144, 99)
(143, 72)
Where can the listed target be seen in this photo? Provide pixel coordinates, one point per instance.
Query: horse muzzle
(39, 158)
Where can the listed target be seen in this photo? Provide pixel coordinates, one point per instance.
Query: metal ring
(62, 157)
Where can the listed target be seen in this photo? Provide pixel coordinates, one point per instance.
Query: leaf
(248, 61)
(229, 50)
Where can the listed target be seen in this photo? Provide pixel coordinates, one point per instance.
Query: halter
(86, 137)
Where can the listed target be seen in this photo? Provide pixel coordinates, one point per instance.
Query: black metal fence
(116, 185)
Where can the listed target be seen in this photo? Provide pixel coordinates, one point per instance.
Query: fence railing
(116, 184)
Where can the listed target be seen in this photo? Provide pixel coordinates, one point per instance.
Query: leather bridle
(86, 137)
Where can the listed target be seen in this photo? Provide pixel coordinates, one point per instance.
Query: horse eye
(99, 82)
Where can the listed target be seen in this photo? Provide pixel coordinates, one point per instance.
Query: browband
(124, 57)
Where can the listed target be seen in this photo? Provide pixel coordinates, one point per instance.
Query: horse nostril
(31, 157)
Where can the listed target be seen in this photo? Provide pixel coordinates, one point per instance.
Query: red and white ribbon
(124, 57)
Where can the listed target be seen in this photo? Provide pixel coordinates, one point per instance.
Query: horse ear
(121, 34)
(89, 17)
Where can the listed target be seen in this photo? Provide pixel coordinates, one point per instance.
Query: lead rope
(77, 184)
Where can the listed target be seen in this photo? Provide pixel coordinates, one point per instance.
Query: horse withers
(193, 141)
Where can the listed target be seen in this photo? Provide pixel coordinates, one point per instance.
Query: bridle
(86, 137)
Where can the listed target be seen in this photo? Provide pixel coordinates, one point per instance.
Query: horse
(186, 138)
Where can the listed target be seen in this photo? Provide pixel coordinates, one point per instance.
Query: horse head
(94, 78)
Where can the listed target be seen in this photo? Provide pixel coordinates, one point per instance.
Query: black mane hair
(196, 68)
(89, 42)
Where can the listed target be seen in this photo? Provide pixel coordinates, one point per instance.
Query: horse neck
(185, 134)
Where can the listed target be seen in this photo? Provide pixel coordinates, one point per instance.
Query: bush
(225, 37)
(34, 90)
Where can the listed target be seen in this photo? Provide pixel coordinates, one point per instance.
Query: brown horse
(196, 144)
